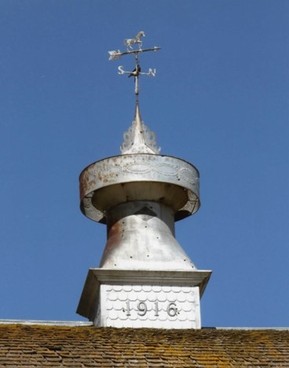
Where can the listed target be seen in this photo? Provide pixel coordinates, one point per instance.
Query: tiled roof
(86, 346)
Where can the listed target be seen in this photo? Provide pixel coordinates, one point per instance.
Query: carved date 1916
(144, 307)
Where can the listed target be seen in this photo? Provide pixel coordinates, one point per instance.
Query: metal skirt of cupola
(145, 278)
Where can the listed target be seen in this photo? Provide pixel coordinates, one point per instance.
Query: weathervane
(134, 47)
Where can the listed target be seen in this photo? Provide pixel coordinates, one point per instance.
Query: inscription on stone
(150, 306)
(144, 307)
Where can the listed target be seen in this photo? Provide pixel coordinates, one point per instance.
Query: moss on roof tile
(87, 346)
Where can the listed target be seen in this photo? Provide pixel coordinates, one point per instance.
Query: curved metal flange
(119, 179)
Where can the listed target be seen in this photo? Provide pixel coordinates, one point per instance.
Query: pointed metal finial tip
(139, 138)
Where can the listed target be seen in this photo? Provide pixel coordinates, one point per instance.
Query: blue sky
(220, 100)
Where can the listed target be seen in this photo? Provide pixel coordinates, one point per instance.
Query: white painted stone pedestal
(138, 298)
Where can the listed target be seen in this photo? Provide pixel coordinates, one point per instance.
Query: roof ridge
(45, 322)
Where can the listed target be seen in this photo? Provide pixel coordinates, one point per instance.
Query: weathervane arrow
(116, 54)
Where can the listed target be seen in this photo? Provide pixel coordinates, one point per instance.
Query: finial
(139, 138)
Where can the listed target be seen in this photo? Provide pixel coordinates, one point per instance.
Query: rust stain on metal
(115, 231)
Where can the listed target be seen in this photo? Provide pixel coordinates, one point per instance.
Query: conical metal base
(141, 237)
